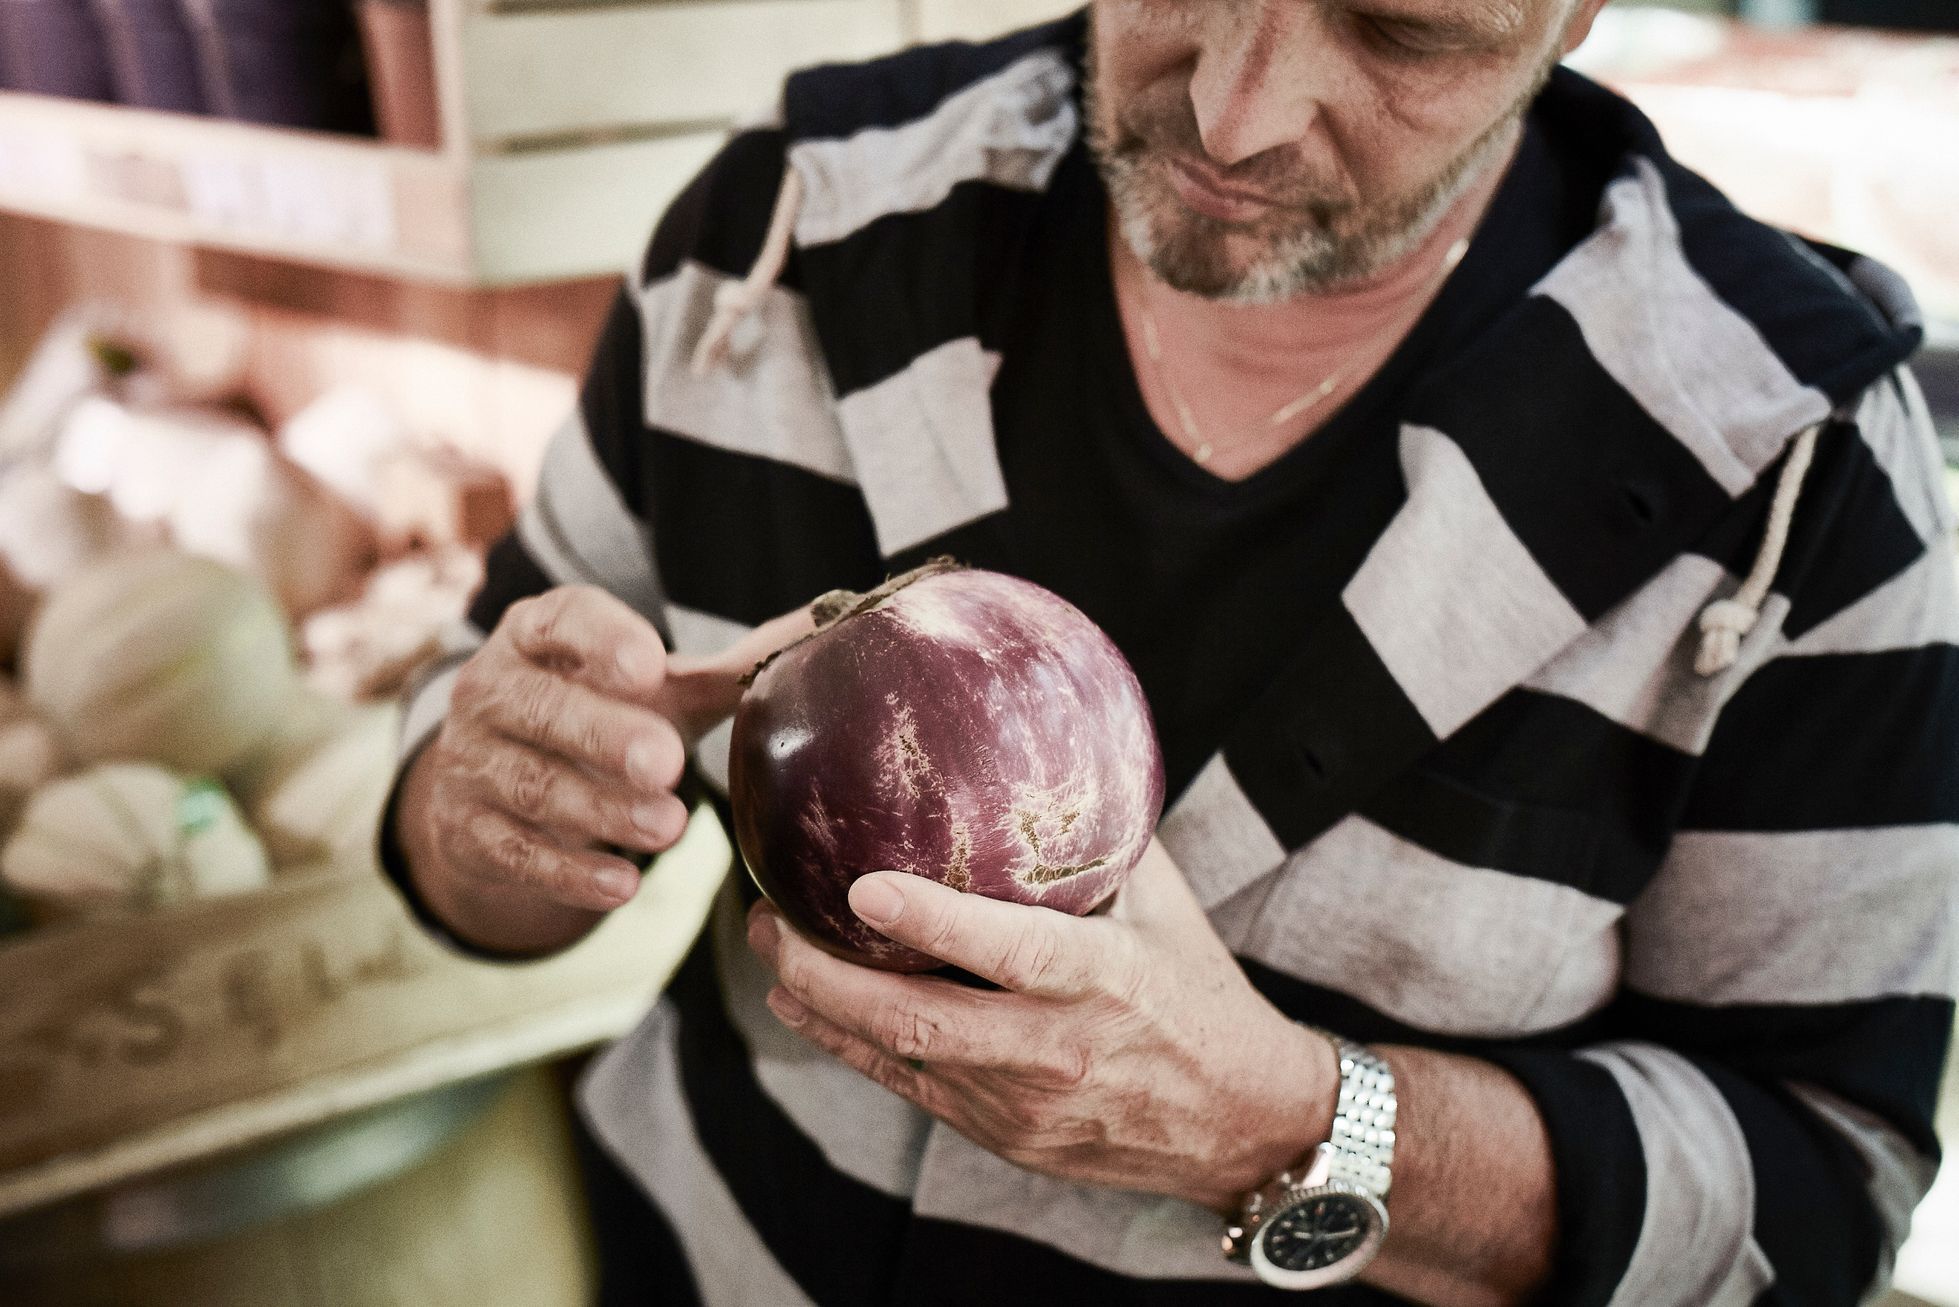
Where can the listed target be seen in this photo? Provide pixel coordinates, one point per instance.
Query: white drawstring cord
(735, 301)
(1726, 621)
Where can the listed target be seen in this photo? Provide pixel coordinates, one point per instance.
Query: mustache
(1168, 130)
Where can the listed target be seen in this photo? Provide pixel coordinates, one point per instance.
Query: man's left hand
(1126, 1050)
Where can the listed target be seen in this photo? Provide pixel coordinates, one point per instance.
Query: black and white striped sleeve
(1757, 1126)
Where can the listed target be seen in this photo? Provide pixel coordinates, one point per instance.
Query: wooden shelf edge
(310, 197)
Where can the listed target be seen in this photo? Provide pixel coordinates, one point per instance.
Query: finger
(910, 1017)
(895, 1074)
(741, 657)
(1030, 950)
(503, 851)
(592, 636)
(546, 791)
(612, 739)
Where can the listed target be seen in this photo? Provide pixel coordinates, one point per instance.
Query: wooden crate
(132, 1044)
(568, 126)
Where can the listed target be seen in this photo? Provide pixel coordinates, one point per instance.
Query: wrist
(1285, 1112)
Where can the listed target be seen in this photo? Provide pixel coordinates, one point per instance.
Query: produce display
(163, 657)
(318, 790)
(129, 835)
(203, 626)
(958, 724)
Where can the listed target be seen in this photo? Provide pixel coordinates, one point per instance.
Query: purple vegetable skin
(957, 724)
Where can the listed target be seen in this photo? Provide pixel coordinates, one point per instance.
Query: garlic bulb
(129, 836)
(163, 658)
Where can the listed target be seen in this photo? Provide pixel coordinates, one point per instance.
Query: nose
(1257, 83)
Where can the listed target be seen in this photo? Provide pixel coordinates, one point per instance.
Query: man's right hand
(567, 733)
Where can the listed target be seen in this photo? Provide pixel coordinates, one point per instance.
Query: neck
(1314, 320)
(1234, 365)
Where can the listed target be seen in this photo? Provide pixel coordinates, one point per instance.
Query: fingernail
(643, 762)
(764, 933)
(786, 1008)
(651, 819)
(615, 884)
(876, 901)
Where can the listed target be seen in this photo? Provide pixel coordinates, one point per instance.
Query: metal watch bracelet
(1359, 1151)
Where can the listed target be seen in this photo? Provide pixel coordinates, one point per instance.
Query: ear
(1579, 25)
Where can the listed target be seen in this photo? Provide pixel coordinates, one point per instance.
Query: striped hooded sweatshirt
(1505, 793)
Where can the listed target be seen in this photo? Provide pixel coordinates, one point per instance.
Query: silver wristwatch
(1322, 1224)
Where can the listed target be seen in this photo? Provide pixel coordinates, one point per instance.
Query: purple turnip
(961, 725)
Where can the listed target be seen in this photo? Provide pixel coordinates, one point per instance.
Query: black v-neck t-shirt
(1206, 584)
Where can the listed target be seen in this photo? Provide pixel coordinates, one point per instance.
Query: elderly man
(1538, 575)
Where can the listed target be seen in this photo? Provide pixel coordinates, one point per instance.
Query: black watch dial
(1317, 1233)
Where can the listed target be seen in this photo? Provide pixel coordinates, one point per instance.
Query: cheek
(1140, 45)
(1407, 124)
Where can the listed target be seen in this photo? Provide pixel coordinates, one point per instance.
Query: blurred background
(291, 297)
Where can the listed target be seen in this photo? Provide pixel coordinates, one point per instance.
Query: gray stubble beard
(1188, 251)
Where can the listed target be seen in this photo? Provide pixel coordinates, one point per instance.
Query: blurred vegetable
(343, 438)
(30, 757)
(48, 529)
(368, 649)
(318, 793)
(221, 490)
(129, 836)
(163, 658)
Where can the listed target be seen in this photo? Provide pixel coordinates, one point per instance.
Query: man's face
(1257, 149)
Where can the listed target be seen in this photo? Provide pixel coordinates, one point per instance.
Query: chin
(1197, 256)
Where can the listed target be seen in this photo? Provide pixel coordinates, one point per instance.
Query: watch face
(1320, 1239)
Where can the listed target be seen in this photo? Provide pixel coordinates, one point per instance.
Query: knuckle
(893, 1076)
(791, 968)
(1069, 1067)
(1027, 1121)
(535, 707)
(906, 1033)
(590, 738)
(519, 856)
(530, 784)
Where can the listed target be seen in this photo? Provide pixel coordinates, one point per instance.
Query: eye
(1402, 40)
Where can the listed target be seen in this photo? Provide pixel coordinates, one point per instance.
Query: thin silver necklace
(1201, 449)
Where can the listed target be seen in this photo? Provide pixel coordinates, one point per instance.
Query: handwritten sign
(122, 1026)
